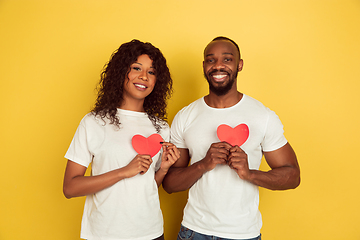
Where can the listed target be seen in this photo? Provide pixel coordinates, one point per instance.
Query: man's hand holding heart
(238, 161)
(236, 157)
(218, 153)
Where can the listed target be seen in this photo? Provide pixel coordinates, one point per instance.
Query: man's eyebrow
(225, 53)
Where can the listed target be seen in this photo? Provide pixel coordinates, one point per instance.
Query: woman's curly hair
(114, 74)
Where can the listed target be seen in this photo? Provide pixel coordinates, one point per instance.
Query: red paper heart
(234, 136)
(150, 145)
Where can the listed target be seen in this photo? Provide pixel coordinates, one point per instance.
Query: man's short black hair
(228, 39)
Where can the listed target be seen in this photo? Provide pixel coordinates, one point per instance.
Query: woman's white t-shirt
(129, 209)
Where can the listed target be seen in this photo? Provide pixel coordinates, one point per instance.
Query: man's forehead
(224, 46)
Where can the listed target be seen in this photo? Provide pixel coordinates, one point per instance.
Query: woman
(122, 192)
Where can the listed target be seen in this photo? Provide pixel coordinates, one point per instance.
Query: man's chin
(219, 85)
(220, 88)
(220, 91)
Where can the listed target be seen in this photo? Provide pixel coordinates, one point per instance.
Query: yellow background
(301, 59)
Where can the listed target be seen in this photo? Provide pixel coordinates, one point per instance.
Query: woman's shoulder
(91, 119)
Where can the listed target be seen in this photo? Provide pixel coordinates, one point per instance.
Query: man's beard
(221, 90)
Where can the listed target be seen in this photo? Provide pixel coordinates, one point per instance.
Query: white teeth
(218, 76)
(140, 85)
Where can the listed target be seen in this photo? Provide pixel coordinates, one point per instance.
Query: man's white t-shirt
(130, 209)
(220, 203)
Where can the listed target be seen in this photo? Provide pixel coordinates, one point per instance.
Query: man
(223, 176)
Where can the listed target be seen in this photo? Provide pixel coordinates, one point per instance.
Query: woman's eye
(136, 68)
(152, 72)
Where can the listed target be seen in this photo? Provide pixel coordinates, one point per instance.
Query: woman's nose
(143, 76)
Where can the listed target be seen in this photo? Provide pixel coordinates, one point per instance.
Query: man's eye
(227, 59)
(210, 60)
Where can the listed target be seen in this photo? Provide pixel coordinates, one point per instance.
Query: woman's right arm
(76, 184)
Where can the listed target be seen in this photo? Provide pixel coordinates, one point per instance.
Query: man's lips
(219, 76)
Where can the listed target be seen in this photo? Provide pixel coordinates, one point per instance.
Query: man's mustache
(219, 71)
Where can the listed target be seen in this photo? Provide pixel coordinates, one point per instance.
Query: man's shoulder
(190, 112)
(254, 103)
(190, 107)
(252, 100)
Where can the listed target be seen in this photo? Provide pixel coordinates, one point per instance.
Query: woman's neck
(136, 106)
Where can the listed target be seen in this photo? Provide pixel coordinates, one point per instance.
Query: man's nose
(219, 65)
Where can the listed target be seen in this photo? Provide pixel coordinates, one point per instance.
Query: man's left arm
(284, 173)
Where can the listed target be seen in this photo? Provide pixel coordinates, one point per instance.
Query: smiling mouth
(219, 77)
(140, 86)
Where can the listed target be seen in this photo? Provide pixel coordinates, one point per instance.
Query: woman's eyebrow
(141, 64)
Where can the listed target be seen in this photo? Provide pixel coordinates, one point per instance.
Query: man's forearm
(282, 178)
(182, 178)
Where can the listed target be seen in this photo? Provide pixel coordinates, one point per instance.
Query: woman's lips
(140, 86)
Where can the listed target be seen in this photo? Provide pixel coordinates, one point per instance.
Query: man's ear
(241, 64)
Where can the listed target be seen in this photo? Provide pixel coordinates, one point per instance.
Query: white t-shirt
(130, 209)
(220, 203)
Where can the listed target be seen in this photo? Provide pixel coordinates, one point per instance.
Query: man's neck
(224, 101)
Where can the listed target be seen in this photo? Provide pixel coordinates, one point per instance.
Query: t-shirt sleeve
(78, 151)
(274, 134)
(177, 131)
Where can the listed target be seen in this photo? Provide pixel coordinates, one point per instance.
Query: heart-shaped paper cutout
(150, 145)
(234, 136)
